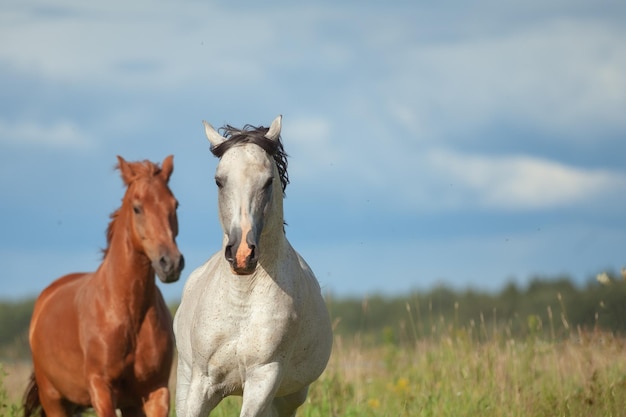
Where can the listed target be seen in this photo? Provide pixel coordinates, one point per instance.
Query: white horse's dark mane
(256, 135)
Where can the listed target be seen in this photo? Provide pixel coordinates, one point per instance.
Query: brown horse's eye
(137, 209)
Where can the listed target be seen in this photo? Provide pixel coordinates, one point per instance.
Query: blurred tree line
(555, 307)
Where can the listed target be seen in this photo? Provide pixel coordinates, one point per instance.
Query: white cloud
(520, 182)
(414, 179)
(61, 134)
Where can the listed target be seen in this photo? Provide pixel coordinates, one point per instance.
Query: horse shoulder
(300, 273)
(191, 302)
(156, 329)
(308, 273)
(155, 342)
(104, 329)
(315, 335)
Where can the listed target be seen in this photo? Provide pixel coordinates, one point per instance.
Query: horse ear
(167, 167)
(274, 132)
(212, 135)
(127, 171)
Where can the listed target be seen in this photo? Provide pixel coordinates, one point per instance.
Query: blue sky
(461, 143)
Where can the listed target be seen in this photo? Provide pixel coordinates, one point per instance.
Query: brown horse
(104, 339)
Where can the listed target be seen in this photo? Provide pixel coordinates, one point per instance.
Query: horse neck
(273, 240)
(126, 274)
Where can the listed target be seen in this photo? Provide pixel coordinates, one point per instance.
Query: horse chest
(129, 350)
(232, 354)
(243, 332)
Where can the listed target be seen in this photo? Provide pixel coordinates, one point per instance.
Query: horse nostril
(164, 263)
(181, 263)
(253, 253)
(228, 253)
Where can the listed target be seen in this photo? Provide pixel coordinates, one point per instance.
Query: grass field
(453, 376)
(457, 372)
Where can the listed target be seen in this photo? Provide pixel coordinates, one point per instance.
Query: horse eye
(268, 183)
(219, 183)
(137, 209)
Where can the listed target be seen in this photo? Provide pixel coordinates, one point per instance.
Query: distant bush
(14, 322)
(555, 305)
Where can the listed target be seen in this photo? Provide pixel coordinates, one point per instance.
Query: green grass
(475, 370)
(455, 377)
(7, 406)
(463, 371)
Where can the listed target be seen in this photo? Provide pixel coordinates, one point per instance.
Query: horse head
(249, 176)
(151, 207)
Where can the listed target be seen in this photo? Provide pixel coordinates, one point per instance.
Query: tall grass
(7, 406)
(479, 369)
(454, 376)
(429, 366)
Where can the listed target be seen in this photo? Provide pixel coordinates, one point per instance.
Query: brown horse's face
(151, 208)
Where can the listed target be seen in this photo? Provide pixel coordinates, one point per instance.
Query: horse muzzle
(242, 256)
(169, 266)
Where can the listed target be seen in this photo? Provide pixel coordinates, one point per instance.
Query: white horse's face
(247, 179)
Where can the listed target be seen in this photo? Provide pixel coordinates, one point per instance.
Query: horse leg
(183, 374)
(259, 390)
(53, 407)
(101, 397)
(134, 411)
(286, 406)
(158, 403)
(51, 400)
(197, 400)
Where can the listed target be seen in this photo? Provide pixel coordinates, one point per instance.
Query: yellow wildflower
(402, 386)
(373, 403)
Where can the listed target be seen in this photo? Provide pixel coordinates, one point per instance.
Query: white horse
(252, 320)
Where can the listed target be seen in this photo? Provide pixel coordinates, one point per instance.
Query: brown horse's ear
(127, 171)
(167, 167)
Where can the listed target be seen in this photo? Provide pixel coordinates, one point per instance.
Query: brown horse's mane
(145, 169)
(256, 135)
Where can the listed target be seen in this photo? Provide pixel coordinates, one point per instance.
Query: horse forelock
(255, 135)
